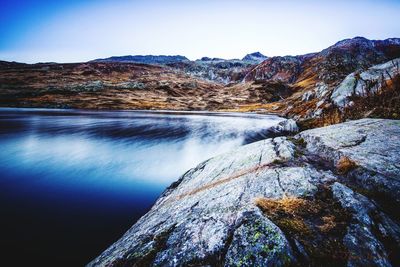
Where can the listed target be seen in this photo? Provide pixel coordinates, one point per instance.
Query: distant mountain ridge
(147, 59)
(169, 59)
(214, 69)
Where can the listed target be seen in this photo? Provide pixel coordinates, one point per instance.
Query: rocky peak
(205, 59)
(362, 46)
(352, 42)
(334, 63)
(211, 59)
(256, 56)
(392, 41)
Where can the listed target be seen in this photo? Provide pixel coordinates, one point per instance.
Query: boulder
(286, 126)
(277, 202)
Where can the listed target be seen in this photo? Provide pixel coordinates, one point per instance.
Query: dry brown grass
(307, 83)
(285, 204)
(328, 223)
(289, 206)
(331, 115)
(345, 165)
(270, 107)
(318, 224)
(287, 211)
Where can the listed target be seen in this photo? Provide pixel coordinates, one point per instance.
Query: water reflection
(81, 178)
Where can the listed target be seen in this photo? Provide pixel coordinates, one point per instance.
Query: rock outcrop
(220, 70)
(256, 56)
(286, 127)
(283, 69)
(327, 195)
(365, 82)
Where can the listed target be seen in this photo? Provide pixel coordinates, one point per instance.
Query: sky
(81, 30)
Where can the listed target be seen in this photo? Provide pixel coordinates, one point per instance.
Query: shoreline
(157, 111)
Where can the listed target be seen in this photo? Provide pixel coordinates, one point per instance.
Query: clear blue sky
(77, 30)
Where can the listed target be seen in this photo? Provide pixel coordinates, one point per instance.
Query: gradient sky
(78, 30)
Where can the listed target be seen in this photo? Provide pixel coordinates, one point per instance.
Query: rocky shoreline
(328, 195)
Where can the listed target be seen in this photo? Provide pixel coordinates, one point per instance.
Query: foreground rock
(326, 196)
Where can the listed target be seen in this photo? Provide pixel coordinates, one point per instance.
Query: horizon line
(174, 55)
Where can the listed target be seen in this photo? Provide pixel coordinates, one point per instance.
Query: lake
(73, 181)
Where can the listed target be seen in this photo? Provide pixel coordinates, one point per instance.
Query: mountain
(331, 64)
(299, 87)
(256, 56)
(149, 59)
(313, 77)
(219, 70)
(214, 69)
(208, 59)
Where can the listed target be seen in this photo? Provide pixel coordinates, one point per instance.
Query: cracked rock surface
(209, 217)
(374, 146)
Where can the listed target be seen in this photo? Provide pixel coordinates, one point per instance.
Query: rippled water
(72, 181)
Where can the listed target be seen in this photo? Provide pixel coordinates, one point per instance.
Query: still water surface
(73, 181)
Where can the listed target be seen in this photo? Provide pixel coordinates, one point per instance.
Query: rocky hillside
(108, 85)
(213, 69)
(105, 86)
(315, 76)
(330, 65)
(326, 197)
(224, 71)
